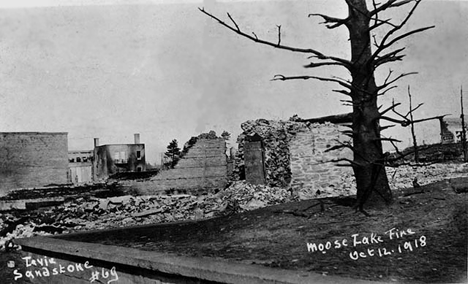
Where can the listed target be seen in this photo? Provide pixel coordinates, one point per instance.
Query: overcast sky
(109, 69)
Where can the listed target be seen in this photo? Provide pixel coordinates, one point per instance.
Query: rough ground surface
(277, 236)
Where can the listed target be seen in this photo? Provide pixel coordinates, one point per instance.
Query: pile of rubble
(403, 176)
(275, 137)
(91, 213)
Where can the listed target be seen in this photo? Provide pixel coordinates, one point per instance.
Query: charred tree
(367, 54)
(413, 133)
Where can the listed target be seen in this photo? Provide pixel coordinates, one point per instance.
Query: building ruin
(116, 158)
(32, 159)
(294, 154)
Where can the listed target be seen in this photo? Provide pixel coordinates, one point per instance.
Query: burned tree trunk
(370, 174)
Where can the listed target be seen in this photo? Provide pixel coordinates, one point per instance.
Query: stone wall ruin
(296, 157)
(203, 168)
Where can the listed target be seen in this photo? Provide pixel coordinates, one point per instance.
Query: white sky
(53, 3)
(108, 70)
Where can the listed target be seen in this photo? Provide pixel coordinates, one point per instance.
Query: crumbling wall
(446, 135)
(314, 170)
(275, 137)
(295, 156)
(32, 159)
(203, 168)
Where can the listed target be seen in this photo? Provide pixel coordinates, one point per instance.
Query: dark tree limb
(389, 4)
(234, 22)
(393, 106)
(279, 35)
(407, 34)
(382, 128)
(319, 64)
(388, 139)
(383, 93)
(388, 82)
(381, 23)
(351, 162)
(343, 62)
(280, 77)
(346, 93)
(331, 22)
(389, 57)
(414, 109)
(393, 3)
(407, 122)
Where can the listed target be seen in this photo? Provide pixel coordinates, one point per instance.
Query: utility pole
(463, 134)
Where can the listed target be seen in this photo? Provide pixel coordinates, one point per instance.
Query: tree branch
(331, 22)
(343, 62)
(390, 108)
(234, 22)
(346, 93)
(314, 65)
(380, 23)
(387, 139)
(386, 127)
(279, 35)
(280, 77)
(394, 3)
(414, 109)
(407, 122)
(389, 57)
(388, 83)
(403, 123)
(351, 162)
(389, 4)
(408, 34)
(383, 93)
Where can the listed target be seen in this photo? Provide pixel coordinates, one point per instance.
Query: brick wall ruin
(295, 157)
(32, 159)
(203, 168)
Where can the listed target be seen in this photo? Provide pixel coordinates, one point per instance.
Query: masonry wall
(203, 168)
(115, 158)
(313, 170)
(32, 159)
(295, 157)
(80, 166)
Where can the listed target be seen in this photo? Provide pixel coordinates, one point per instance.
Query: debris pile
(403, 176)
(91, 213)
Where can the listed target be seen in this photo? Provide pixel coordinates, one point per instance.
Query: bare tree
(367, 54)
(409, 116)
(413, 133)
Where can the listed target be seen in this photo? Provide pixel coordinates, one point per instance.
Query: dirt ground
(295, 236)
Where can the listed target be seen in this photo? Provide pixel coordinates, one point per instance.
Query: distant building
(80, 166)
(451, 128)
(32, 159)
(115, 158)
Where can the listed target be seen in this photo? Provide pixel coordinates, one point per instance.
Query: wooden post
(415, 145)
(463, 134)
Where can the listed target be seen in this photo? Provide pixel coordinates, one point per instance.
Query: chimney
(96, 142)
(137, 138)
